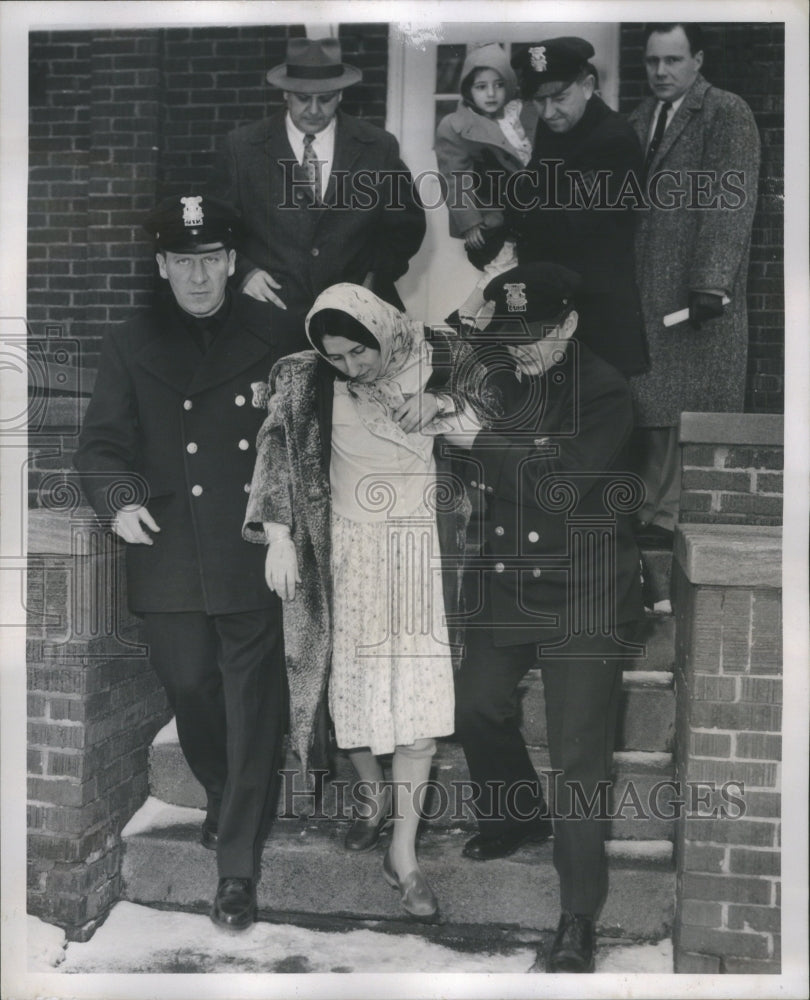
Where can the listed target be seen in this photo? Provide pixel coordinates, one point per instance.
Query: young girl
(477, 147)
(347, 495)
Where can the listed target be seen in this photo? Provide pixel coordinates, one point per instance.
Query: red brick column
(728, 676)
(94, 706)
(731, 468)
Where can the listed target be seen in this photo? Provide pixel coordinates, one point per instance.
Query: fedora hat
(313, 66)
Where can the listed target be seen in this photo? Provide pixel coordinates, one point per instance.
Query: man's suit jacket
(179, 427)
(696, 247)
(371, 220)
(552, 471)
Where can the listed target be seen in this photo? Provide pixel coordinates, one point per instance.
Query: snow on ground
(46, 945)
(155, 814)
(140, 939)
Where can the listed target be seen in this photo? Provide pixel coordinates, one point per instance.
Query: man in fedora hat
(166, 456)
(325, 196)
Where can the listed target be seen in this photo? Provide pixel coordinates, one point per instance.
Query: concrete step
(639, 811)
(646, 711)
(307, 873)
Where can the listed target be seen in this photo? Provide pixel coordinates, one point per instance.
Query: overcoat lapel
(230, 354)
(348, 150)
(692, 104)
(171, 355)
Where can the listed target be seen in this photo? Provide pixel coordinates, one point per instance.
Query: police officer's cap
(532, 292)
(183, 223)
(556, 59)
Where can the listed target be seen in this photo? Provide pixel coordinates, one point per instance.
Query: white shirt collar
(323, 144)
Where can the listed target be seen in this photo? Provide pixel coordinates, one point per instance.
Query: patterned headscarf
(405, 364)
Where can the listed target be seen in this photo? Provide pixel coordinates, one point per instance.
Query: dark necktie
(658, 135)
(310, 165)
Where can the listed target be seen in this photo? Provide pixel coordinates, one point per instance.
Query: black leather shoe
(364, 834)
(234, 904)
(573, 946)
(481, 848)
(208, 835)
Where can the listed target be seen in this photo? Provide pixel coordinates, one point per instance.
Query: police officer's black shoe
(234, 904)
(209, 837)
(572, 950)
(481, 848)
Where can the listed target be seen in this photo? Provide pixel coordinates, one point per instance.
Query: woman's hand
(474, 237)
(281, 568)
(416, 412)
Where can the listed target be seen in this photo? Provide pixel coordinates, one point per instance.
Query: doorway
(423, 85)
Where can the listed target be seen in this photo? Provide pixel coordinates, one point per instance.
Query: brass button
(247, 487)
(315, 251)
(533, 536)
(187, 404)
(243, 445)
(191, 448)
(499, 567)
(197, 490)
(473, 483)
(536, 572)
(240, 400)
(499, 530)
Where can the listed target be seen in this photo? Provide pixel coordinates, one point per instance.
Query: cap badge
(516, 297)
(538, 58)
(192, 211)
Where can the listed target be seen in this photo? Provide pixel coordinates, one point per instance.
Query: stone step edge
(182, 824)
(637, 761)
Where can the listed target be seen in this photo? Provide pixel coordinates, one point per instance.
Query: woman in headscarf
(355, 506)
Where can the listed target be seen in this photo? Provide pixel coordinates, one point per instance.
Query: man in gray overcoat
(701, 170)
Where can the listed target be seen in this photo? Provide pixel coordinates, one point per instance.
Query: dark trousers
(225, 679)
(582, 698)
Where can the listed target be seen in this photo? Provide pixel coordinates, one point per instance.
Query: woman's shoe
(416, 895)
(364, 834)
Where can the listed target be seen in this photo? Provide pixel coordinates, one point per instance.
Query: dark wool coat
(372, 219)
(179, 420)
(596, 241)
(291, 486)
(697, 247)
(552, 467)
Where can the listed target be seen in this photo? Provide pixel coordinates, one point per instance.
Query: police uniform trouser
(582, 697)
(225, 679)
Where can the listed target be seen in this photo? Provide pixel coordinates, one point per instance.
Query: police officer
(569, 206)
(557, 586)
(166, 452)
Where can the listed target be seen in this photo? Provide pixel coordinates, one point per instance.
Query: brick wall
(728, 678)
(747, 59)
(731, 468)
(94, 706)
(117, 121)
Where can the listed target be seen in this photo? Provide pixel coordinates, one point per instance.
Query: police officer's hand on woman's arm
(260, 285)
(281, 562)
(129, 522)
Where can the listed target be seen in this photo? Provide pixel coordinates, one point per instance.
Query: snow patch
(45, 945)
(139, 939)
(168, 734)
(155, 814)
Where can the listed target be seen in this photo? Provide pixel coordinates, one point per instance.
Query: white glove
(281, 562)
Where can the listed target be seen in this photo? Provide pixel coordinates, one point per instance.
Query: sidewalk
(139, 939)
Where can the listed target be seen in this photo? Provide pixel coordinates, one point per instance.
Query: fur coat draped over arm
(291, 486)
